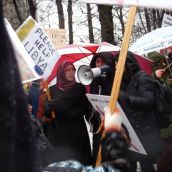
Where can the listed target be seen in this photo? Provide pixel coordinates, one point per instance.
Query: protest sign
(99, 102)
(161, 4)
(57, 36)
(38, 46)
(26, 65)
(167, 21)
(153, 41)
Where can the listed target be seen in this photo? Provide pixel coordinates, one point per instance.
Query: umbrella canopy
(80, 54)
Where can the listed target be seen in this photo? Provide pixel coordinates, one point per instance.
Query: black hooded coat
(137, 98)
(68, 132)
(100, 85)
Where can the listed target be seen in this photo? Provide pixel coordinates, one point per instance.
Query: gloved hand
(112, 122)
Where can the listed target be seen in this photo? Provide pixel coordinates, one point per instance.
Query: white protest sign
(99, 102)
(167, 20)
(38, 46)
(167, 4)
(57, 36)
(26, 65)
(153, 41)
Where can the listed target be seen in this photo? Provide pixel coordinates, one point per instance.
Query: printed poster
(99, 102)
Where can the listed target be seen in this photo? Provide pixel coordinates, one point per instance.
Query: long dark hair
(17, 142)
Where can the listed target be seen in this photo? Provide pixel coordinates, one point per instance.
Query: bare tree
(90, 24)
(60, 14)
(32, 8)
(16, 11)
(70, 13)
(106, 21)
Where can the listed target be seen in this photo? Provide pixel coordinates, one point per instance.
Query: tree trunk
(147, 20)
(154, 19)
(122, 20)
(106, 22)
(60, 14)
(17, 11)
(70, 13)
(90, 24)
(32, 8)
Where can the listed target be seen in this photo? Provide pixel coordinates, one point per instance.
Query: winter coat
(68, 133)
(100, 85)
(137, 99)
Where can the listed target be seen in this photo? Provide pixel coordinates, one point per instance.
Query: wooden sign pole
(122, 59)
(120, 67)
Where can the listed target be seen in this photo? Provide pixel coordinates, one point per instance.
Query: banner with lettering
(99, 102)
(167, 20)
(153, 41)
(38, 45)
(161, 4)
(26, 65)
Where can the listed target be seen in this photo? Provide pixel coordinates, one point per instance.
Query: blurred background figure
(67, 132)
(163, 76)
(33, 95)
(160, 70)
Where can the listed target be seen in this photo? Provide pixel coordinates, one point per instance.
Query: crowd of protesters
(58, 140)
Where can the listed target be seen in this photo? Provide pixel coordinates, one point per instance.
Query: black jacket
(68, 133)
(137, 98)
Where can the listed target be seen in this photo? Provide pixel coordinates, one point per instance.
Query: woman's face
(70, 72)
(100, 62)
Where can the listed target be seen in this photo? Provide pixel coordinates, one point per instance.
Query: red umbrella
(82, 54)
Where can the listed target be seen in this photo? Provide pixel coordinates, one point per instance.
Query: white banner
(153, 41)
(38, 46)
(167, 21)
(99, 102)
(162, 4)
(26, 65)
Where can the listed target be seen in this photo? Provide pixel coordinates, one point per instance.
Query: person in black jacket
(67, 132)
(101, 85)
(114, 150)
(137, 99)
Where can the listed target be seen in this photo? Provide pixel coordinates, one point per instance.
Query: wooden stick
(122, 59)
(120, 67)
(49, 97)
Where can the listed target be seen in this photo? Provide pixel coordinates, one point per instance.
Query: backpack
(163, 109)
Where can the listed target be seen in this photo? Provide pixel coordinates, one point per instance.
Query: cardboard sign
(38, 46)
(57, 36)
(99, 102)
(26, 65)
(161, 4)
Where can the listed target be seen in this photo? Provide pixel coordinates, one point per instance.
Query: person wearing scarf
(67, 132)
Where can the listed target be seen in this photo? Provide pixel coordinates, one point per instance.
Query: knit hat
(155, 57)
